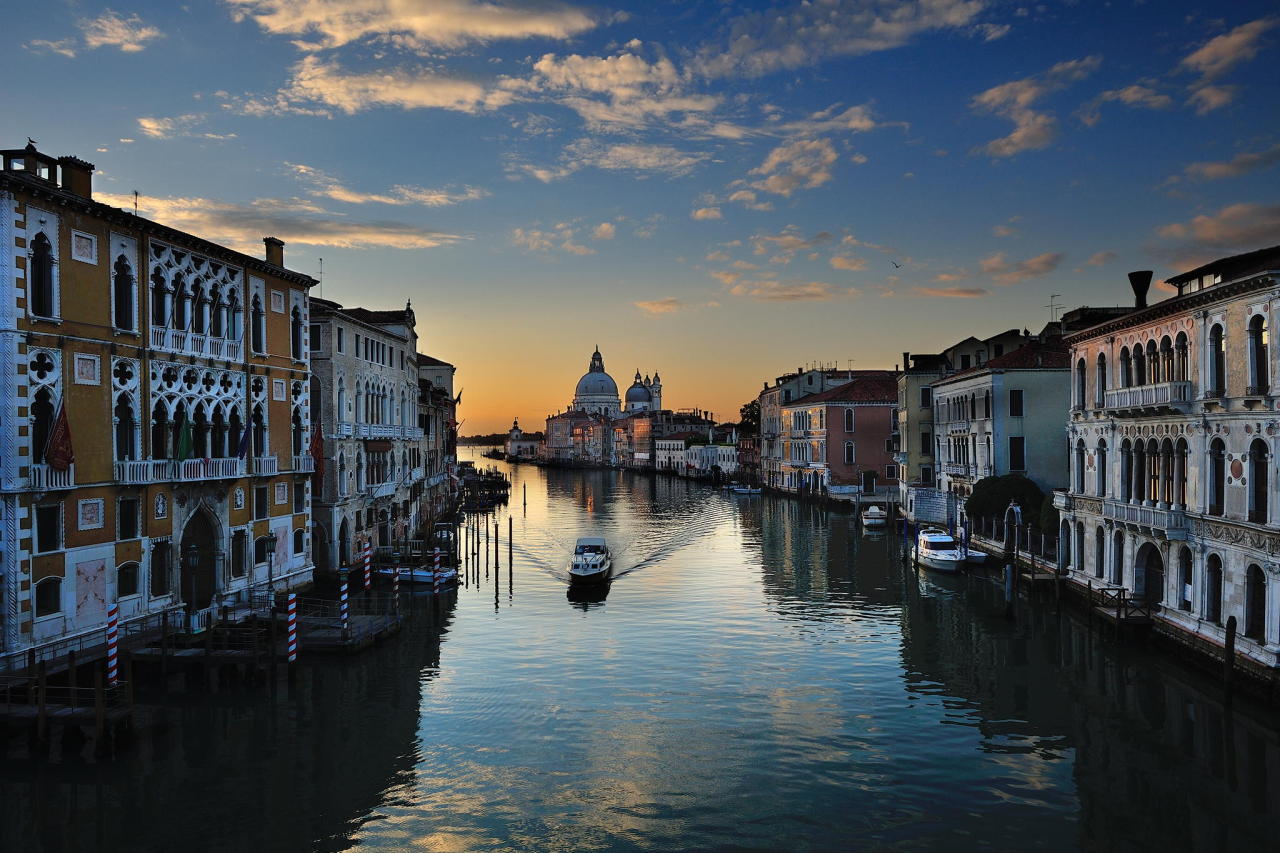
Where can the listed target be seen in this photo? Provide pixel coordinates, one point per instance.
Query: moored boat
(938, 551)
(746, 490)
(422, 575)
(591, 561)
(874, 516)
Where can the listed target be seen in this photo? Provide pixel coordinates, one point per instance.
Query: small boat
(591, 561)
(874, 516)
(422, 575)
(974, 558)
(938, 551)
(746, 490)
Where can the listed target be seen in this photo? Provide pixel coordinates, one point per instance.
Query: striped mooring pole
(342, 603)
(395, 586)
(293, 626)
(113, 645)
(368, 563)
(435, 571)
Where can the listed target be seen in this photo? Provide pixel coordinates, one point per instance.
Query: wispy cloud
(327, 186)
(172, 127)
(242, 226)
(1004, 272)
(63, 47)
(706, 213)
(1217, 58)
(1098, 259)
(604, 231)
(1236, 227)
(1137, 95)
(810, 291)
(1014, 100)
(321, 24)
(788, 241)
(670, 305)
(799, 164)
(1241, 164)
(110, 29)
(952, 292)
(847, 262)
(635, 157)
(558, 238)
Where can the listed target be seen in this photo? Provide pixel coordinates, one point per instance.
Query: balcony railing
(46, 477)
(265, 466)
(957, 469)
(1172, 521)
(958, 426)
(192, 343)
(210, 469)
(144, 471)
(1159, 395)
(304, 463)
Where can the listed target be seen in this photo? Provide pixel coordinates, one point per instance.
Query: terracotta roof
(1035, 355)
(867, 389)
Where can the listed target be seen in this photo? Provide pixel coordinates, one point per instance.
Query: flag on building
(317, 450)
(186, 441)
(58, 452)
(244, 442)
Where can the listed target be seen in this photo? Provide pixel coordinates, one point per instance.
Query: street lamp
(272, 539)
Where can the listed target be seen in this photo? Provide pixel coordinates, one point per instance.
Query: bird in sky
(896, 265)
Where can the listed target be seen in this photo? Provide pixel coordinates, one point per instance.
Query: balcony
(1172, 522)
(346, 429)
(957, 469)
(194, 470)
(1160, 396)
(46, 477)
(382, 490)
(141, 472)
(192, 343)
(954, 427)
(265, 466)
(304, 463)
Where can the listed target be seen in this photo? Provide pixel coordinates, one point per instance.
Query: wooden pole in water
(510, 527)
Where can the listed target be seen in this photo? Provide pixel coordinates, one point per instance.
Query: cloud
(560, 237)
(1014, 100)
(327, 186)
(802, 34)
(944, 277)
(604, 231)
(1236, 227)
(669, 305)
(617, 157)
(111, 29)
(1241, 164)
(316, 87)
(744, 265)
(726, 277)
(799, 164)
(773, 291)
(63, 47)
(788, 241)
(1004, 230)
(1136, 95)
(707, 213)
(952, 292)
(1006, 273)
(242, 226)
(1218, 57)
(324, 24)
(1098, 259)
(749, 200)
(718, 255)
(855, 119)
(177, 126)
(847, 262)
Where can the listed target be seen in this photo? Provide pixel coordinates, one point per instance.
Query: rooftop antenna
(320, 276)
(1053, 309)
(135, 202)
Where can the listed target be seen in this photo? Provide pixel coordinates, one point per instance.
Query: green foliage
(750, 423)
(991, 496)
(1049, 518)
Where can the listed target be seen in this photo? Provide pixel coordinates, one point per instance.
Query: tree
(750, 423)
(991, 496)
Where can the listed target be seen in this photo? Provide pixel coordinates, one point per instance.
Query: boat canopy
(590, 545)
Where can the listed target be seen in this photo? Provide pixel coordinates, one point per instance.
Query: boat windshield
(947, 544)
(589, 549)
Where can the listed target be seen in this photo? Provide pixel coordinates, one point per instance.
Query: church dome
(595, 382)
(637, 393)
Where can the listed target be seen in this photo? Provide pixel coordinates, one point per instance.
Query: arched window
(342, 474)
(261, 551)
(1139, 366)
(1184, 578)
(986, 404)
(122, 294)
(1153, 363)
(126, 429)
(1126, 369)
(41, 424)
(342, 402)
(1100, 471)
(1258, 457)
(234, 318)
(1080, 384)
(1180, 473)
(1181, 373)
(1126, 471)
(127, 580)
(159, 299)
(1100, 387)
(1099, 551)
(1255, 604)
(235, 434)
(298, 436)
(299, 541)
(1064, 545)
(239, 553)
(295, 334)
(258, 325)
(1217, 385)
(258, 430)
(1217, 476)
(1166, 359)
(200, 310)
(217, 313)
(160, 431)
(1213, 589)
(1259, 370)
(848, 453)
(1153, 472)
(48, 594)
(179, 303)
(1079, 469)
(1117, 558)
(973, 407)
(161, 567)
(218, 435)
(41, 295)
(1079, 546)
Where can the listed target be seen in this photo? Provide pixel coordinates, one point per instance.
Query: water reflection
(585, 596)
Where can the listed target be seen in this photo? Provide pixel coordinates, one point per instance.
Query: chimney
(77, 176)
(1140, 281)
(275, 251)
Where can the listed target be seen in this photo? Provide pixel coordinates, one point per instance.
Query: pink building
(842, 441)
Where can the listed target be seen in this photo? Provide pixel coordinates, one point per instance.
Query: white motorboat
(423, 575)
(938, 551)
(746, 490)
(874, 516)
(591, 561)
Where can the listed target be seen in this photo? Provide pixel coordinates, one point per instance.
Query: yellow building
(181, 369)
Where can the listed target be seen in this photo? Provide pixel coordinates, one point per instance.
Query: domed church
(597, 393)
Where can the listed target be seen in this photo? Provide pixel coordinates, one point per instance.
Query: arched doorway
(320, 549)
(199, 576)
(1149, 574)
(344, 543)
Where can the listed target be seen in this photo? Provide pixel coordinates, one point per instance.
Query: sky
(719, 192)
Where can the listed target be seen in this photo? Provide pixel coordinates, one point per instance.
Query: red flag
(317, 450)
(58, 452)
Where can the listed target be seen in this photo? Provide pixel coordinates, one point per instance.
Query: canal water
(759, 676)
